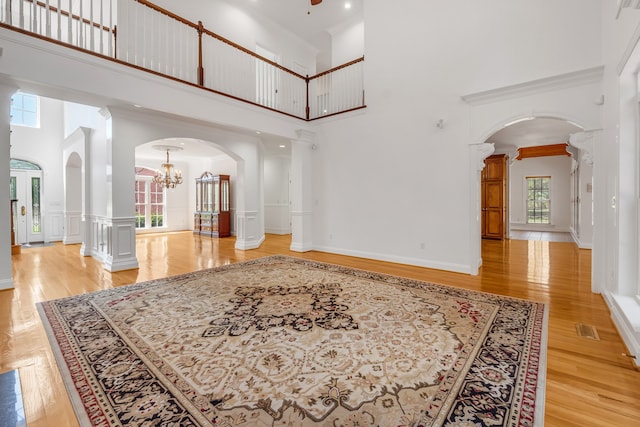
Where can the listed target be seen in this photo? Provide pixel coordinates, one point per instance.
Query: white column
(120, 222)
(585, 142)
(477, 154)
(249, 195)
(301, 194)
(6, 279)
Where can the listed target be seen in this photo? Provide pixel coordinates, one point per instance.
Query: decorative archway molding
(585, 141)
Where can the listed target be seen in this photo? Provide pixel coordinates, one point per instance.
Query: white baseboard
(6, 284)
(458, 268)
(249, 244)
(625, 312)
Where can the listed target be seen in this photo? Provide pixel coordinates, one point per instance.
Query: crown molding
(560, 81)
(635, 4)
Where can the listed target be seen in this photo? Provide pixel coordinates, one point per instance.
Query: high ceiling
(314, 25)
(311, 23)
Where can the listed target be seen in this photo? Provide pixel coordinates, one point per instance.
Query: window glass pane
(150, 204)
(29, 103)
(29, 119)
(538, 200)
(35, 205)
(23, 164)
(24, 110)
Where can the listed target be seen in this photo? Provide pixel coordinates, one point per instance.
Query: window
(25, 110)
(150, 200)
(538, 199)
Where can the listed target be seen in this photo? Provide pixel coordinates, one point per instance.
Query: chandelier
(163, 175)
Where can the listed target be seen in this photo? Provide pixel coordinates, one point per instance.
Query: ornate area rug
(283, 341)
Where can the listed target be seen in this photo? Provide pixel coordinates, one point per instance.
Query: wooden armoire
(494, 197)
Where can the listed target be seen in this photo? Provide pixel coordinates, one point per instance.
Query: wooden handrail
(168, 13)
(76, 17)
(199, 27)
(339, 67)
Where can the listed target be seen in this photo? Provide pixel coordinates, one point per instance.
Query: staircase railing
(151, 38)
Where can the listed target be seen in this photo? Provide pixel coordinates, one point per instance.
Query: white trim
(625, 313)
(246, 245)
(6, 284)
(628, 52)
(458, 268)
(560, 81)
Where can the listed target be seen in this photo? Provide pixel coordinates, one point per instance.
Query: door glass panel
(35, 205)
(225, 196)
(12, 188)
(141, 201)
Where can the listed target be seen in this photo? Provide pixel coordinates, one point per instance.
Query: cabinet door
(494, 168)
(494, 201)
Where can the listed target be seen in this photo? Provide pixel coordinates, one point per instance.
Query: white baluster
(111, 52)
(47, 12)
(92, 37)
(80, 26)
(70, 23)
(59, 20)
(34, 17)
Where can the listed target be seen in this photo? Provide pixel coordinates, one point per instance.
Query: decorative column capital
(584, 141)
(105, 112)
(479, 152)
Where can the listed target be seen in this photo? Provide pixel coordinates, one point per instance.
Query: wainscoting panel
(277, 219)
(73, 228)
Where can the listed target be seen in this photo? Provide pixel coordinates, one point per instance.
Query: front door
(26, 187)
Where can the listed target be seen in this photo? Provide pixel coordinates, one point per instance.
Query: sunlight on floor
(538, 262)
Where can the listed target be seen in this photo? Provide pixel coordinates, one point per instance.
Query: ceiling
(311, 23)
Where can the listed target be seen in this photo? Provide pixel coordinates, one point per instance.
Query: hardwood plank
(588, 382)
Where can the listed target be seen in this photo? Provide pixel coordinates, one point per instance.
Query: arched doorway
(26, 187)
(545, 186)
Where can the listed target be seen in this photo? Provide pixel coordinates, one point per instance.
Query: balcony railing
(141, 34)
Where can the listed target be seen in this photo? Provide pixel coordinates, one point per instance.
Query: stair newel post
(200, 66)
(307, 111)
(115, 41)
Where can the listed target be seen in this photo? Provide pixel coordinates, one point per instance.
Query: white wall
(388, 183)
(347, 43)
(556, 167)
(615, 245)
(43, 146)
(277, 171)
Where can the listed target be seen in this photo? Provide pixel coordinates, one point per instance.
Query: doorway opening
(534, 149)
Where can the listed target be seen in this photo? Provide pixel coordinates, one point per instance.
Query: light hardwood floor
(589, 383)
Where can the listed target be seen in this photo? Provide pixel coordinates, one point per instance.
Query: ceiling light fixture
(163, 175)
(347, 5)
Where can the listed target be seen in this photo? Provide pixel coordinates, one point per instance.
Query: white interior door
(27, 185)
(267, 79)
